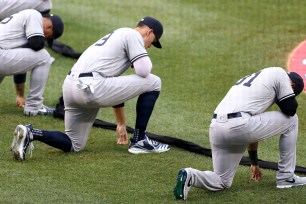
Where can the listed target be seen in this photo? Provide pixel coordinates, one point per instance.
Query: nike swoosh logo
(140, 143)
(291, 181)
(189, 183)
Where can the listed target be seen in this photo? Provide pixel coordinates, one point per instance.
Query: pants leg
(116, 90)
(225, 162)
(78, 123)
(21, 60)
(230, 139)
(276, 123)
(82, 105)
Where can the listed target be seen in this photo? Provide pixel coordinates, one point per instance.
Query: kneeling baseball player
(95, 82)
(240, 121)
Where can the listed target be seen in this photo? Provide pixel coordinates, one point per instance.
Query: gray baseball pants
(21, 60)
(83, 97)
(229, 139)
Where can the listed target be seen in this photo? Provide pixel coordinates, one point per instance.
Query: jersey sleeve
(33, 24)
(135, 46)
(283, 85)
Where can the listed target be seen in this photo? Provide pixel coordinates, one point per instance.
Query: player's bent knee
(156, 81)
(77, 148)
(227, 183)
(294, 120)
(44, 56)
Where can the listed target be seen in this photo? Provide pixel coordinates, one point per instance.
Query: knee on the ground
(77, 147)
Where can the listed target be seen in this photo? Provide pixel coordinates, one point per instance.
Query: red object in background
(297, 61)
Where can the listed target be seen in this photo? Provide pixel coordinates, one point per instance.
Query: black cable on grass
(183, 144)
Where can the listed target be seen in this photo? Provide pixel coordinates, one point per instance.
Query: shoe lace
(153, 142)
(48, 109)
(31, 145)
(31, 149)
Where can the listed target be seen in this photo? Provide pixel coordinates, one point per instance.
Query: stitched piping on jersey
(35, 34)
(139, 56)
(288, 96)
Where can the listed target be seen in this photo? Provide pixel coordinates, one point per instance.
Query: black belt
(230, 115)
(86, 74)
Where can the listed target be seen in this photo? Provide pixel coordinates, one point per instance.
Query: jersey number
(6, 20)
(103, 40)
(249, 82)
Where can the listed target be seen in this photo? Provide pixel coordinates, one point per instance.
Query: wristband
(253, 157)
(119, 105)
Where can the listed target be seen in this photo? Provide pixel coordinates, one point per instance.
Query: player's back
(112, 54)
(257, 92)
(16, 29)
(10, 7)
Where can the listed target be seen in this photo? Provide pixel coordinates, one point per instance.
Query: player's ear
(149, 31)
(292, 85)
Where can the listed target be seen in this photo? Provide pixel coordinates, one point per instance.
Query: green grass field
(207, 46)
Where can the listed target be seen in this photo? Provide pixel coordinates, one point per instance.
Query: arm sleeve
(288, 106)
(20, 78)
(282, 85)
(36, 43)
(143, 66)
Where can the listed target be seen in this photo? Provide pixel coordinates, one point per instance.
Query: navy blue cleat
(147, 146)
(44, 110)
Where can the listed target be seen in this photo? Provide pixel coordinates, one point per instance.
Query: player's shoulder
(29, 14)
(128, 34)
(276, 75)
(30, 11)
(126, 31)
(274, 71)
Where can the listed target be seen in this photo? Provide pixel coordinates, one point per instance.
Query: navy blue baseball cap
(58, 27)
(298, 82)
(157, 28)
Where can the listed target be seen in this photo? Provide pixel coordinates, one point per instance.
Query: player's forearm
(119, 115)
(20, 89)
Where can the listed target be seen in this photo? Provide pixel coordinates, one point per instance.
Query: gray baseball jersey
(113, 54)
(255, 93)
(15, 30)
(230, 135)
(104, 61)
(10, 7)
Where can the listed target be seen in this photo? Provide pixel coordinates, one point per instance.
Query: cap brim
(157, 44)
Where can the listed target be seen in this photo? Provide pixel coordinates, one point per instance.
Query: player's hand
(20, 101)
(256, 174)
(122, 135)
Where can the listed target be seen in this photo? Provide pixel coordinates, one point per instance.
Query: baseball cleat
(21, 142)
(44, 110)
(183, 184)
(291, 182)
(147, 146)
